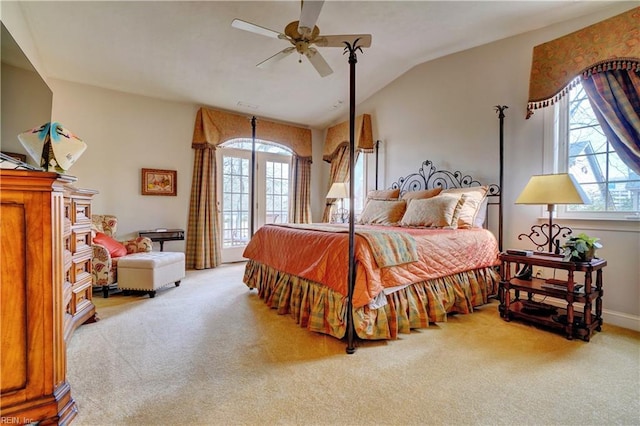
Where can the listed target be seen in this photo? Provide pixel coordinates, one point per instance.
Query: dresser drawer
(81, 212)
(81, 296)
(80, 240)
(81, 267)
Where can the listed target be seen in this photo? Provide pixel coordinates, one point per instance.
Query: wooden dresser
(45, 291)
(77, 293)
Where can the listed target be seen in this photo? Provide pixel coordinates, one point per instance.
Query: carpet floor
(210, 352)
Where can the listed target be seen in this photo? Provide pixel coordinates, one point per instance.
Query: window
(273, 190)
(358, 185)
(584, 152)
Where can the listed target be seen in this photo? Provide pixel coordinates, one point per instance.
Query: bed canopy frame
(427, 177)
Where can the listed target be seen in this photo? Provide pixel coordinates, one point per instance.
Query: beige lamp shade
(553, 189)
(338, 190)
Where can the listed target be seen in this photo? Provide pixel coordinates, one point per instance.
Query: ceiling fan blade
(253, 28)
(275, 58)
(309, 16)
(338, 40)
(318, 62)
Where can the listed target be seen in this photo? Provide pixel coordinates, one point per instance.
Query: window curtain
(340, 134)
(203, 240)
(336, 152)
(605, 58)
(216, 127)
(615, 99)
(339, 173)
(301, 206)
(212, 128)
(613, 44)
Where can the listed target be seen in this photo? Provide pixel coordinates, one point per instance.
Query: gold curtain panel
(611, 44)
(339, 134)
(214, 127)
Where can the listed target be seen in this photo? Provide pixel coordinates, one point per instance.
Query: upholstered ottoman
(149, 271)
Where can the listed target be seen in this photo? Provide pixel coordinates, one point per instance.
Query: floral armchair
(107, 251)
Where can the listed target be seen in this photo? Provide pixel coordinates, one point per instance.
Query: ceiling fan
(303, 34)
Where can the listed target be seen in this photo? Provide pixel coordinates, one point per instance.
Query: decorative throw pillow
(114, 247)
(481, 217)
(435, 212)
(384, 194)
(420, 195)
(382, 212)
(475, 197)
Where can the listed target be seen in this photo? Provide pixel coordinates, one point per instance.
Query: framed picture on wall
(159, 182)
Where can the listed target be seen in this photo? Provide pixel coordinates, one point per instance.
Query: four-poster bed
(301, 270)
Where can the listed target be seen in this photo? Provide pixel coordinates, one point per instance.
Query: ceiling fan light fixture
(302, 35)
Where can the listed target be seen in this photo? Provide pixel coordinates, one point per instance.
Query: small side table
(162, 235)
(569, 291)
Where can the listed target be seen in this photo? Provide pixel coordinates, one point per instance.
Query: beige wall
(126, 133)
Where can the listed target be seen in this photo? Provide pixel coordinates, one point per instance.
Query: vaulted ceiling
(189, 52)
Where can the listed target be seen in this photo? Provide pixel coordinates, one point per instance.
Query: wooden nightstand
(573, 324)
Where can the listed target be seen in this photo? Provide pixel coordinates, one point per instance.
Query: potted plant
(581, 248)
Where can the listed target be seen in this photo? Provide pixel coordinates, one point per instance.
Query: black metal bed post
(353, 59)
(500, 110)
(377, 149)
(253, 174)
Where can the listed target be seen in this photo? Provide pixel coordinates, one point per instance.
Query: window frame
(555, 160)
(361, 200)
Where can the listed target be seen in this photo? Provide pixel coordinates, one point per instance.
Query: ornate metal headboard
(428, 177)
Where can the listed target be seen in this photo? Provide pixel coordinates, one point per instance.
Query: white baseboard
(621, 319)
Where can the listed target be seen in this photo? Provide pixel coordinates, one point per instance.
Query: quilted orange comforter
(323, 257)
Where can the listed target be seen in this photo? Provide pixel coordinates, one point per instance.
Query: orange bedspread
(323, 256)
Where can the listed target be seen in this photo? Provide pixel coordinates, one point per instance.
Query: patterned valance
(214, 127)
(557, 65)
(339, 134)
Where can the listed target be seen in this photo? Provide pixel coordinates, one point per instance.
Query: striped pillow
(474, 202)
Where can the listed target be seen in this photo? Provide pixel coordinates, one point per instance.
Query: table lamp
(339, 190)
(551, 189)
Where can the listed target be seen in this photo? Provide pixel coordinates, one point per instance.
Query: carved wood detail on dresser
(45, 291)
(78, 297)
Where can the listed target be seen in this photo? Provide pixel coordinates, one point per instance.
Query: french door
(271, 203)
